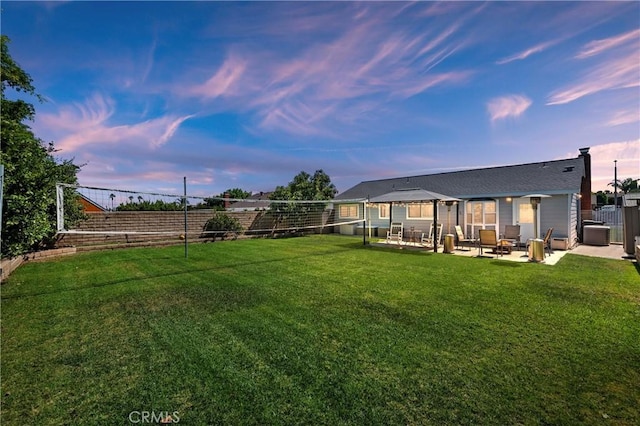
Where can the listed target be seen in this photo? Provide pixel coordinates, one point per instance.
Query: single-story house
(489, 198)
(257, 201)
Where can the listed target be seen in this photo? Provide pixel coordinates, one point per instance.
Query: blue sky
(243, 94)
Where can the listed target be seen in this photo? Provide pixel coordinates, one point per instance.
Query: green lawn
(319, 330)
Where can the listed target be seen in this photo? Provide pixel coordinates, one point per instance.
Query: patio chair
(512, 234)
(489, 239)
(394, 234)
(462, 240)
(428, 240)
(546, 241)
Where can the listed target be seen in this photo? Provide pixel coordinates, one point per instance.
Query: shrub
(223, 224)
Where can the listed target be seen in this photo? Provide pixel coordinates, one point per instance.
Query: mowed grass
(320, 330)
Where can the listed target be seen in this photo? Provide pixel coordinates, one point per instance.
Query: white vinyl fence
(612, 219)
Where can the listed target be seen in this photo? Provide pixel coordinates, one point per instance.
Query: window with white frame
(348, 211)
(383, 211)
(481, 214)
(420, 211)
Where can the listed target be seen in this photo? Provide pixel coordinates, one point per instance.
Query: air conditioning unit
(347, 229)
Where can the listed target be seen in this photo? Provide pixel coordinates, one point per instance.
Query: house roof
(90, 202)
(548, 177)
(259, 200)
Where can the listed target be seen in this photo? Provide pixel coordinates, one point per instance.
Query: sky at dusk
(248, 94)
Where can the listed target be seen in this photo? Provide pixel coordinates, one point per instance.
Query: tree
(150, 206)
(302, 187)
(236, 193)
(217, 202)
(627, 185)
(307, 187)
(31, 170)
(602, 197)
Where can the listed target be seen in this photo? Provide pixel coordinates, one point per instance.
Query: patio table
(505, 246)
(414, 235)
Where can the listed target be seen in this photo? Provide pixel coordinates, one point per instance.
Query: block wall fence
(161, 221)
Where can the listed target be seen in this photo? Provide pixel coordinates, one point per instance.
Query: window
(481, 215)
(348, 211)
(383, 211)
(525, 212)
(420, 211)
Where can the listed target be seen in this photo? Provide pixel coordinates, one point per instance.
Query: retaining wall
(7, 266)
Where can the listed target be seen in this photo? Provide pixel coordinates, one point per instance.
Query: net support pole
(59, 208)
(369, 212)
(186, 227)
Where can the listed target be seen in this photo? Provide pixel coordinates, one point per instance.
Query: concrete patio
(612, 251)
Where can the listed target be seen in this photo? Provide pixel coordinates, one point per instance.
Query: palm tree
(112, 196)
(626, 185)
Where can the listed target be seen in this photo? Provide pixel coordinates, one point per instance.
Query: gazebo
(414, 195)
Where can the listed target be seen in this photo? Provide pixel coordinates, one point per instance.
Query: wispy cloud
(80, 116)
(313, 87)
(225, 80)
(89, 124)
(170, 125)
(618, 73)
(626, 153)
(507, 106)
(567, 22)
(624, 117)
(527, 52)
(618, 69)
(150, 61)
(598, 46)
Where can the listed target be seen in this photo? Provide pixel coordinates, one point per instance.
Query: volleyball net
(115, 214)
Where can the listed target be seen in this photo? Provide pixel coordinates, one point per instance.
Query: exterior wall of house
(574, 218)
(505, 214)
(553, 214)
(448, 218)
(399, 214)
(558, 211)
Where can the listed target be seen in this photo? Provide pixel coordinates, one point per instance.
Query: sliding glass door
(480, 215)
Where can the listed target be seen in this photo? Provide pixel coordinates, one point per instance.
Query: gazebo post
(435, 226)
(364, 223)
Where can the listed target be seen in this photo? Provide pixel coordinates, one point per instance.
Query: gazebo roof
(411, 195)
